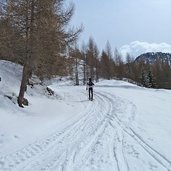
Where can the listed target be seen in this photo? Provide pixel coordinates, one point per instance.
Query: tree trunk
(29, 46)
(76, 72)
(84, 73)
(23, 85)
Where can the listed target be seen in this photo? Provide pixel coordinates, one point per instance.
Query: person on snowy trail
(89, 87)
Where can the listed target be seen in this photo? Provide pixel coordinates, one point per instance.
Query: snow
(125, 128)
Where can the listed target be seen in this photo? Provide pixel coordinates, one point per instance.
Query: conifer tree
(83, 57)
(43, 27)
(105, 63)
(151, 83)
(91, 55)
(108, 52)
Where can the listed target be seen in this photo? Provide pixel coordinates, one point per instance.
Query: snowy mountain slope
(126, 128)
(152, 57)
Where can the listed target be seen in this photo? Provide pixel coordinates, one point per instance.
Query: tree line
(111, 65)
(37, 35)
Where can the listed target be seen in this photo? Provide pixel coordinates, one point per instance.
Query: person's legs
(89, 90)
(91, 93)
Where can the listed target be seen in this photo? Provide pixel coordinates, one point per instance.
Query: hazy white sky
(124, 21)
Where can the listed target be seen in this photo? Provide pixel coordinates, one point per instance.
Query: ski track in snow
(98, 141)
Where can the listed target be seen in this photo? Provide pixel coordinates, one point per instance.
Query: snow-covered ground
(125, 128)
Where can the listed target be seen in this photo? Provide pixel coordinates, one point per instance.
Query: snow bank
(19, 127)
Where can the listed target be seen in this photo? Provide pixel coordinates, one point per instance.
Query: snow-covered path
(101, 139)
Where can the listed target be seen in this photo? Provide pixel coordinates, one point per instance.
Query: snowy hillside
(126, 127)
(152, 57)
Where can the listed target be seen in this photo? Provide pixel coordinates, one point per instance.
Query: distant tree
(83, 57)
(91, 57)
(11, 42)
(165, 74)
(108, 52)
(151, 82)
(76, 57)
(119, 64)
(128, 65)
(143, 79)
(105, 63)
(97, 63)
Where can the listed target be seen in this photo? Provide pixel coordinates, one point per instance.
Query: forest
(37, 34)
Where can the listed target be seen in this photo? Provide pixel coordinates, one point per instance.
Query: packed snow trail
(98, 141)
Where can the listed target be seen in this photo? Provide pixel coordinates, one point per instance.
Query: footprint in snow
(16, 137)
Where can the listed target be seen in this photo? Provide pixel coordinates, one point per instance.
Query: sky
(123, 22)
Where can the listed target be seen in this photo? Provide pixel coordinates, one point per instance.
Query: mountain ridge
(152, 57)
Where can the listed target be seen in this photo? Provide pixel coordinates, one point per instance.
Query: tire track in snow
(115, 164)
(93, 127)
(27, 153)
(93, 142)
(86, 143)
(157, 156)
(116, 158)
(52, 150)
(123, 153)
(65, 135)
